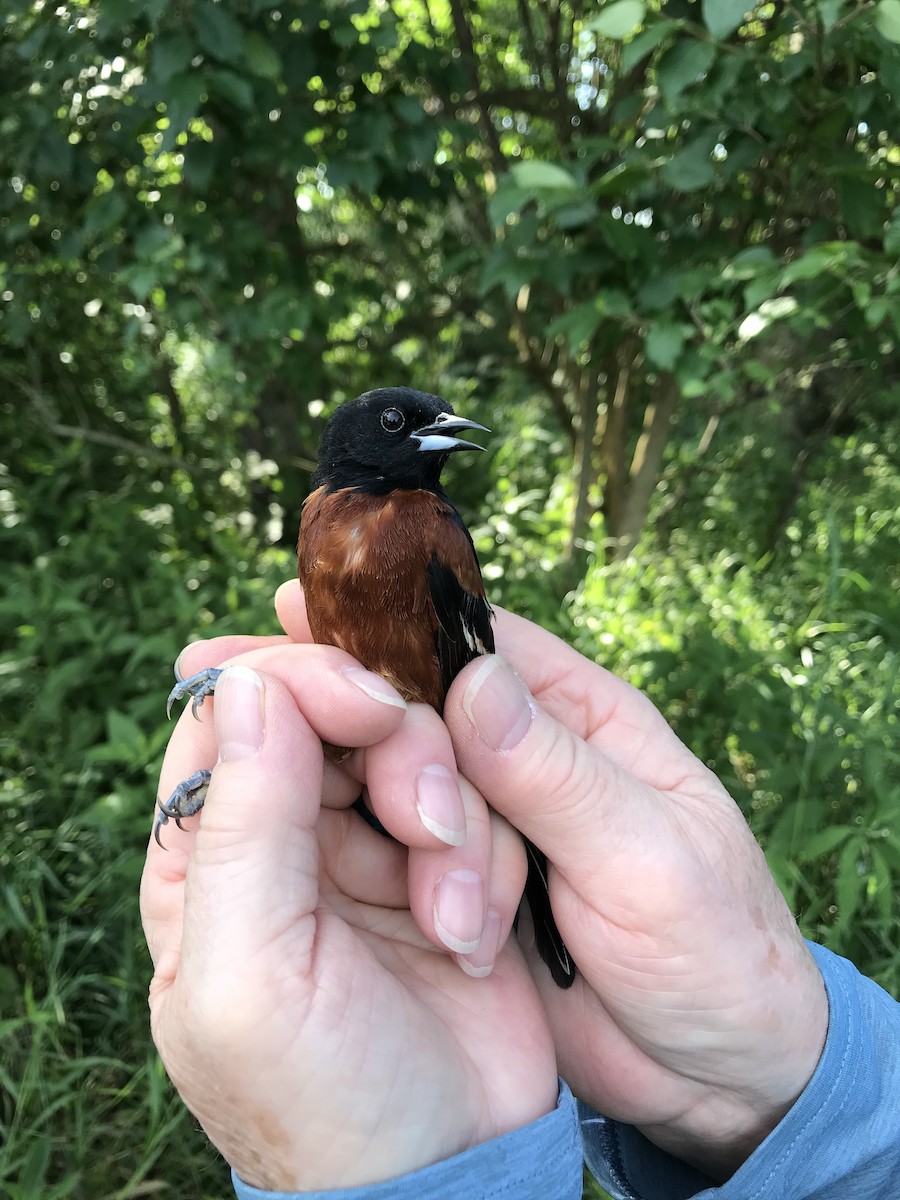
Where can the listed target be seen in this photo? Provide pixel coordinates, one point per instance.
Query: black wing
(464, 619)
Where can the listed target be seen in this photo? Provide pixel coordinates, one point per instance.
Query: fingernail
(480, 962)
(459, 910)
(239, 713)
(498, 704)
(440, 805)
(374, 686)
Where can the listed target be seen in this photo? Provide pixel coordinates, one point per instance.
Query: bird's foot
(198, 687)
(187, 799)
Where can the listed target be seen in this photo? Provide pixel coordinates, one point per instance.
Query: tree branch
(467, 47)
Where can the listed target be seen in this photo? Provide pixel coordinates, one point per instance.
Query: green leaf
(692, 167)
(829, 11)
(613, 303)
(892, 235)
(183, 98)
(578, 324)
(863, 206)
(34, 1168)
(881, 885)
(571, 216)
(620, 178)
(664, 343)
(507, 199)
(686, 63)
(617, 20)
(749, 263)
(536, 174)
(103, 212)
(235, 88)
(849, 883)
(815, 262)
(122, 730)
(261, 56)
(645, 43)
(887, 19)
(722, 17)
(825, 841)
(218, 32)
(172, 52)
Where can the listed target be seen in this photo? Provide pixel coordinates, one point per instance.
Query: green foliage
(784, 677)
(654, 247)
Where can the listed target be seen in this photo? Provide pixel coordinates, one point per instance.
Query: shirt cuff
(840, 1141)
(542, 1159)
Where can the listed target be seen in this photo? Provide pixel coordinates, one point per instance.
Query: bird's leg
(190, 795)
(187, 799)
(198, 687)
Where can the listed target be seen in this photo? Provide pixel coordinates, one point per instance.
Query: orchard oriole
(390, 575)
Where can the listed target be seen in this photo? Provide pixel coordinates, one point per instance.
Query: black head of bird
(390, 438)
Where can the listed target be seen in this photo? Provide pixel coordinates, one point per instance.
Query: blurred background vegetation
(654, 246)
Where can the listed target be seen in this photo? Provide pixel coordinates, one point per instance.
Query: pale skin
(329, 1029)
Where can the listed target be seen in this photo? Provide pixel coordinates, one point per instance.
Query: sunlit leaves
(533, 174)
(887, 19)
(617, 20)
(664, 343)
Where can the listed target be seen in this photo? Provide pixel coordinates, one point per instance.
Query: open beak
(439, 434)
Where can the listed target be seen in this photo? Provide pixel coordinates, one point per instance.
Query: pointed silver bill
(438, 435)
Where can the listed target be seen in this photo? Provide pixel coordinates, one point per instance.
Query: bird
(390, 575)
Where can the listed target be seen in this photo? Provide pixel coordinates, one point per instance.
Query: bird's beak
(438, 435)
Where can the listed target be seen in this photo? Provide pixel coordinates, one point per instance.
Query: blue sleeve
(840, 1141)
(542, 1159)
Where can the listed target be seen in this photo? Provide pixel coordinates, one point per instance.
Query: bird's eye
(392, 420)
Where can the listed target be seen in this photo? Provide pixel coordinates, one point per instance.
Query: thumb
(555, 788)
(254, 868)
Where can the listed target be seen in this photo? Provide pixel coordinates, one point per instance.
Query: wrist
(725, 1125)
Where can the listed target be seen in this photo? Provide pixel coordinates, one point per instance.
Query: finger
(449, 888)
(344, 703)
(290, 608)
(547, 781)
(507, 879)
(595, 704)
(253, 875)
(212, 652)
(412, 782)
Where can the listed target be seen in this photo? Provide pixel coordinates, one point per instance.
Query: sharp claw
(161, 820)
(187, 799)
(198, 687)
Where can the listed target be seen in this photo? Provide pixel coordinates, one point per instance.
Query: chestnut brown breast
(363, 563)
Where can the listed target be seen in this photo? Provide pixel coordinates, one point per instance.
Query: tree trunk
(614, 446)
(585, 466)
(645, 465)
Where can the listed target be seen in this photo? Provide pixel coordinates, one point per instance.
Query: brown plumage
(367, 581)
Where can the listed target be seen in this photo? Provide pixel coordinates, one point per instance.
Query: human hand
(699, 1015)
(303, 1000)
